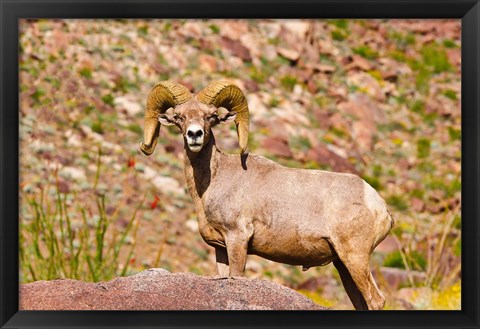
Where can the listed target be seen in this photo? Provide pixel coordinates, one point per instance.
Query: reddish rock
(323, 118)
(368, 115)
(337, 91)
(339, 122)
(387, 246)
(175, 147)
(277, 146)
(454, 56)
(158, 289)
(312, 86)
(251, 86)
(159, 68)
(417, 205)
(396, 277)
(233, 29)
(319, 283)
(323, 155)
(324, 68)
(297, 27)
(290, 54)
(207, 63)
(236, 48)
(357, 62)
(404, 164)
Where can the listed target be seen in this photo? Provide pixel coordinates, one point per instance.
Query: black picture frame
(13, 10)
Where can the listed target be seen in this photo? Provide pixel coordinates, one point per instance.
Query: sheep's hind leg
(222, 261)
(355, 295)
(358, 267)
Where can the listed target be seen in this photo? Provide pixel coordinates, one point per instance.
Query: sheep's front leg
(237, 254)
(222, 261)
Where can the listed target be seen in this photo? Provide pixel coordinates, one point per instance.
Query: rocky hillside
(379, 98)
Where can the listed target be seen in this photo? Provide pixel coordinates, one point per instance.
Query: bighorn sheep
(247, 204)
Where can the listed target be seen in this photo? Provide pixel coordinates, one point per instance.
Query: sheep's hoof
(220, 277)
(305, 268)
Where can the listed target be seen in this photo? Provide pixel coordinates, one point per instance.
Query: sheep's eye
(177, 117)
(212, 117)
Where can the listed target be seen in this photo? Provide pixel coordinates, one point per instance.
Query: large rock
(158, 289)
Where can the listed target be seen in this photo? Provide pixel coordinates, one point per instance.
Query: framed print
(345, 194)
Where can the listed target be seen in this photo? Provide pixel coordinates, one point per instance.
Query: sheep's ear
(227, 117)
(167, 120)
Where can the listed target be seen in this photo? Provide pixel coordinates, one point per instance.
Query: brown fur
(247, 204)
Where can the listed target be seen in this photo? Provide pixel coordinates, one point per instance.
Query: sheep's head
(194, 115)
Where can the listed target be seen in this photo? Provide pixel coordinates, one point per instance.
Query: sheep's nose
(195, 133)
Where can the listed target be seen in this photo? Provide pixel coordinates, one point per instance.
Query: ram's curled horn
(226, 94)
(163, 95)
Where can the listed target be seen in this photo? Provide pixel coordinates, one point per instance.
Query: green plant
(436, 58)
(85, 72)
(65, 238)
(214, 28)
(398, 202)
(450, 94)
(108, 99)
(97, 126)
(274, 102)
(398, 56)
(402, 40)
(257, 74)
(288, 82)
(136, 128)
(373, 181)
(437, 275)
(422, 79)
(449, 298)
(416, 260)
(317, 298)
(300, 143)
(142, 30)
(339, 35)
(393, 259)
(423, 148)
(448, 43)
(455, 134)
(418, 106)
(340, 23)
(365, 51)
(37, 94)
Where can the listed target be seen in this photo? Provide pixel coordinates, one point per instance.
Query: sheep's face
(195, 121)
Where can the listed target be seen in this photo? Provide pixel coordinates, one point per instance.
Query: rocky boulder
(158, 289)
